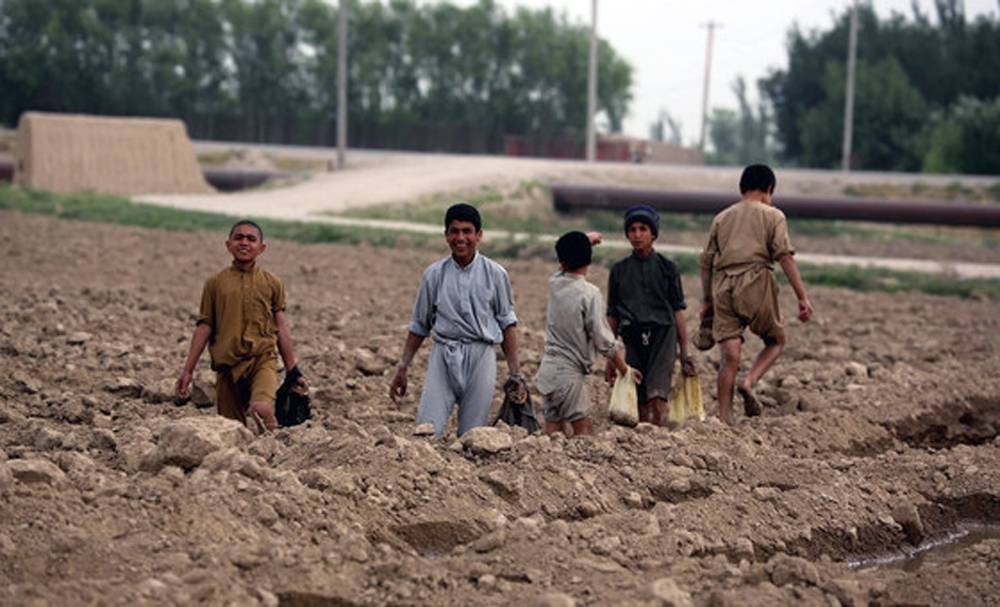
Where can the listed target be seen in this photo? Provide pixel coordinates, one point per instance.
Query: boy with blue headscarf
(646, 307)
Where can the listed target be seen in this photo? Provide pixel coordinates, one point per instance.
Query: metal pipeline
(224, 180)
(570, 198)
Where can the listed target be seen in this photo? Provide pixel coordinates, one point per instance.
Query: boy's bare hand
(397, 389)
(183, 384)
(595, 237)
(610, 372)
(687, 366)
(707, 311)
(805, 309)
(636, 375)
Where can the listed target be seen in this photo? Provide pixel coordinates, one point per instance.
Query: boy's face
(463, 238)
(640, 237)
(244, 244)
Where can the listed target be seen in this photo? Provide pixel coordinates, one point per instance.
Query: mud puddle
(966, 537)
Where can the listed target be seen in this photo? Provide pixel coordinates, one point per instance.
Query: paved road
(381, 177)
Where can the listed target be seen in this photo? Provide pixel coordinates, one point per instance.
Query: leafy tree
(266, 70)
(929, 64)
(966, 139)
(740, 137)
(666, 128)
(888, 126)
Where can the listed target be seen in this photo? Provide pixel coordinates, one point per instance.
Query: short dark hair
(758, 177)
(574, 250)
(463, 212)
(247, 222)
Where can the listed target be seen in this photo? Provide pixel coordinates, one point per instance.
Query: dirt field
(879, 435)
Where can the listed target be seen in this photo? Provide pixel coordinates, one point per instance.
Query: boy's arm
(199, 340)
(687, 363)
(509, 347)
(791, 270)
(707, 299)
(285, 341)
(397, 389)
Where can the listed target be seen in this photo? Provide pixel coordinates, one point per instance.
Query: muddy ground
(879, 435)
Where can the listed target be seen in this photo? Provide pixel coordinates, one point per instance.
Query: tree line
(927, 97)
(422, 76)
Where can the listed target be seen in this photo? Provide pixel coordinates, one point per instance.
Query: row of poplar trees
(425, 76)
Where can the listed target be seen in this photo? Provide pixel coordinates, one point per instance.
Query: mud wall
(126, 156)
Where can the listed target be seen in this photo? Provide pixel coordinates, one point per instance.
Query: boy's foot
(751, 406)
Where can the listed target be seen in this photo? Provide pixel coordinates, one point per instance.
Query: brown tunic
(240, 306)
(744, 242)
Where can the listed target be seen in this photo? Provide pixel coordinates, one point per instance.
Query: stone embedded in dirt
(78, 338)
(790, 382)
(908, 517)
(606, 545)
(161, 391)
(202, 395)
(26, 384)
(426, 429)
(490, 541)
(849, 592)
(486, 440)
(742, 547)
(766, 494)
(6, 478)
(126, 386)
(667, 593)
(238, 461)
(336, 481)
(186, 442)
(36, 470)
(856, 369)
(506, 484)
(785, 569)
(103, 439)
(368, 362)
(47, 439)
(552, 599)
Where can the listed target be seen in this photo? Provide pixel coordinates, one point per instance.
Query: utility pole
(592, 84)
(852, 59)
(342, 85)
(711, 25)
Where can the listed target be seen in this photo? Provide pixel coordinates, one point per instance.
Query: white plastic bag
(624, 407)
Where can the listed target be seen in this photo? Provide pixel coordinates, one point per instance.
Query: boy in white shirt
(575, 329)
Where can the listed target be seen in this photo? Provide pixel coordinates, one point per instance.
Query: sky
(665, 42)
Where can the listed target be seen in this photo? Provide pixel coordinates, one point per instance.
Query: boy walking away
(646, 307)
(242, 321)
(574, 330)
(739, 287)
(467, 302)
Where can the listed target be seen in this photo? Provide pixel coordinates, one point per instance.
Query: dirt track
(880, 434)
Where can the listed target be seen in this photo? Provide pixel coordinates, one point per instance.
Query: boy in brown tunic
(242, 320)
(739, 287)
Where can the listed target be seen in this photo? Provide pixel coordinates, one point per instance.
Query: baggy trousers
(462, 373)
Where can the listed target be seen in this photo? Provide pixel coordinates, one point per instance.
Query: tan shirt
(240, 306)
(747, 235)
(575, 330)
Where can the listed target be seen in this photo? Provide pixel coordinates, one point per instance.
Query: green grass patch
(857, 278)
(953, 190)
(101, 208)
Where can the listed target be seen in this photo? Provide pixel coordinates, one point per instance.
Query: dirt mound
(127, 156)
(879, 437)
